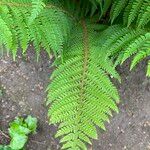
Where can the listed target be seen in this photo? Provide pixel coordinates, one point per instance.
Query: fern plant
(88, 39)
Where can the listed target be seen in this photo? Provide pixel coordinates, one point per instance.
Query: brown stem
(4, 134)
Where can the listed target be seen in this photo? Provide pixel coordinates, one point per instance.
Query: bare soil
(24, 82)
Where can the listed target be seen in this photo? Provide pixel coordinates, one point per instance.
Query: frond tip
(81, 93)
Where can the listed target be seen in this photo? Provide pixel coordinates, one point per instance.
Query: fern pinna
(91, 37)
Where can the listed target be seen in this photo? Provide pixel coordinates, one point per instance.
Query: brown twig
(42, 143)
(4, 134)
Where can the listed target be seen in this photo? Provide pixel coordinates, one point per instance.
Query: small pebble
(7, 116)
(122, 131)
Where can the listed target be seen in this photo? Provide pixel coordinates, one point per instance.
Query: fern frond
(38, 6)
(81, 93)
(124, 42)
(139, 56)
(105, 7)
(144, 16)
(102, 6)
(134, 47)
(143, 52)
(136, 5)
(140, 47)
(88, 8)
(126, 13)
(47, 27)
(134, 10)
(117, 8)
(5, 37)
(118, 38)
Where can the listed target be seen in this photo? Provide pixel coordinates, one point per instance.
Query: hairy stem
(86, 56)
(84, 73)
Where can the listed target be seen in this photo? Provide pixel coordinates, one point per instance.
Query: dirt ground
(24, 82)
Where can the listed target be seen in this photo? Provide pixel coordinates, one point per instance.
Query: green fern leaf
(6, 35)
(127, 12)
(49, 29)
(139, 56)
(136, 5)
(144, 18)
(38, 6)
(117, 8)
(136, 11)
(134, 47)
(81, 93)
(121, 43)
(143, 52)
(119, 39)
(107, 4)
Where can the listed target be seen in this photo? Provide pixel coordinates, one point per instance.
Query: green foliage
(5, 147)
(87, 50)
(125, 42)
(38, 6)
(47, 28)
(19, 130)
(99, 5)
(133, 11)
(86, 96)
